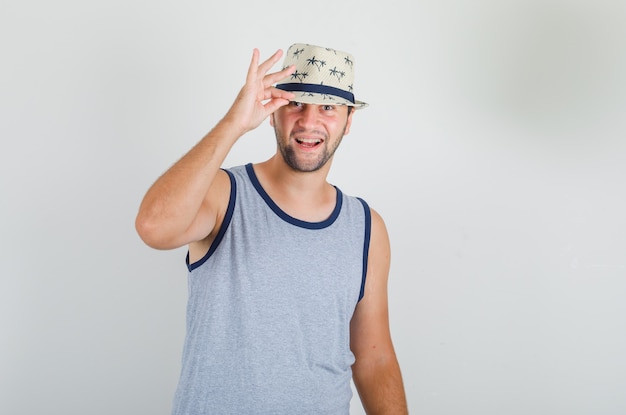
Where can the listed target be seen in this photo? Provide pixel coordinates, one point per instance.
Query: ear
(349, 121)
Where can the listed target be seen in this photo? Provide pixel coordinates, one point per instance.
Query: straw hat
(323, 76)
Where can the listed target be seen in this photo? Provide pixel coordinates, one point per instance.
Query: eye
(295, 104)
(328, 107)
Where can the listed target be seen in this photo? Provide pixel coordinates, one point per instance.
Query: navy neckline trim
(286, 217)
(366, 244)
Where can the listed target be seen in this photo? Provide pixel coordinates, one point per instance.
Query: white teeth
(308, 140)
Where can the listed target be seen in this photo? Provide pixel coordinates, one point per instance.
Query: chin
(299, 167)
(304, 166)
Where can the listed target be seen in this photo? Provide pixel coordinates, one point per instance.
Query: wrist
(229, 126)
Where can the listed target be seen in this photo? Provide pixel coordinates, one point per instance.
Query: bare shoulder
(220, 189)
(380, 236)
(379, 255)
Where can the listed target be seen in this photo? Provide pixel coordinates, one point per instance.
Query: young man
(287, 275)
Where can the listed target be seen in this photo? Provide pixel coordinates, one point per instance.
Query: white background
(494, 147)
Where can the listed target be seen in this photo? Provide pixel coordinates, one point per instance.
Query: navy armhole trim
(285, 216)
(225, 223)
(366, 244)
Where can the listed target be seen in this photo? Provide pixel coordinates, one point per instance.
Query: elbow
(149, 232)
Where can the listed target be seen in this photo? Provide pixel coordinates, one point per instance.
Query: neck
(281, 175)
(304, 195)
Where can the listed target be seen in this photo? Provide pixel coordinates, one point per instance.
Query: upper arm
(369, 329)
(209, 220)
(174, 231)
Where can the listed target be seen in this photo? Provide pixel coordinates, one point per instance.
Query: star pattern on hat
(297, 53)
(325, 97)
(316, 62)
(299, 75)
(337, 73)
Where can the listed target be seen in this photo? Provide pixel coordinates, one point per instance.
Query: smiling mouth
(309, 142)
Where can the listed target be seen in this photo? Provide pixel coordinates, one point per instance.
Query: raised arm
(376, 372)
(184, 204)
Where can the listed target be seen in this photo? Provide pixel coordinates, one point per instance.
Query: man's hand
(184, 205)
(259, 98)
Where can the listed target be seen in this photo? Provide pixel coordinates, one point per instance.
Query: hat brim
(326, 99)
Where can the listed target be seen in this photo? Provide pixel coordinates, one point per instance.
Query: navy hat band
(316, 88)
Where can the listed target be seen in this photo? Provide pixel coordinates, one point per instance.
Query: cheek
(348, 124)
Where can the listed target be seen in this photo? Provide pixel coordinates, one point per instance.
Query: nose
(308, 116)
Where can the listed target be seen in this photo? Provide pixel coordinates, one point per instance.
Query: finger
(252, 69)
(275, 104)
(272, 93)
(272, 78)
(271, 61)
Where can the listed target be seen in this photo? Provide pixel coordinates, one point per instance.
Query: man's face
(308, 135)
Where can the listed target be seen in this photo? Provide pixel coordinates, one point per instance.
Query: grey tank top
(269, 309)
